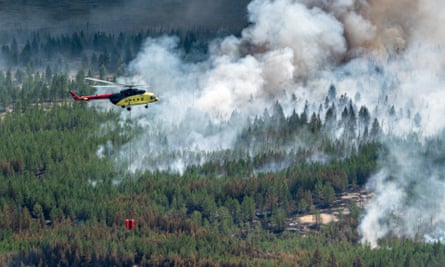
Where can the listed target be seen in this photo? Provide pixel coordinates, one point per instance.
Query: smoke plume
(408, 190)
(386, 55)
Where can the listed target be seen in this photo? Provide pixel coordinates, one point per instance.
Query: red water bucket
(129, 223)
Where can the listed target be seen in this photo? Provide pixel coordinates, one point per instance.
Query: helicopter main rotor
(113, 84)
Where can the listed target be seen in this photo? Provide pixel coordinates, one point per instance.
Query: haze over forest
(122, 15)
(273, 115)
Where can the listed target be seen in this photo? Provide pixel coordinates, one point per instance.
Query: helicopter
(127, 97)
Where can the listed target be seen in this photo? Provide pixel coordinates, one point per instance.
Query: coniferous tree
(375, 129)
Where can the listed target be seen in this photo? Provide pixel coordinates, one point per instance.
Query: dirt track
(342, 204)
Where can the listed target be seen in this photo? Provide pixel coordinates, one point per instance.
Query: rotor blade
(102, 81)
(106, 86)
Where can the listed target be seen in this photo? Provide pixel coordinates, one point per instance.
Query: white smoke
(314, 36)
(385, 55)
(203, 105)
(275, 51)
(408, 190)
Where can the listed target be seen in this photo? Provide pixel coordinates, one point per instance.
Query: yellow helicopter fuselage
(138, 99)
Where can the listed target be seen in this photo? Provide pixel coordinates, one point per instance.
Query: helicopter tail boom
(89, 97)
(76, 97)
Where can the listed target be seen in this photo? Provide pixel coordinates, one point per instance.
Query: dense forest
(61, 204)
